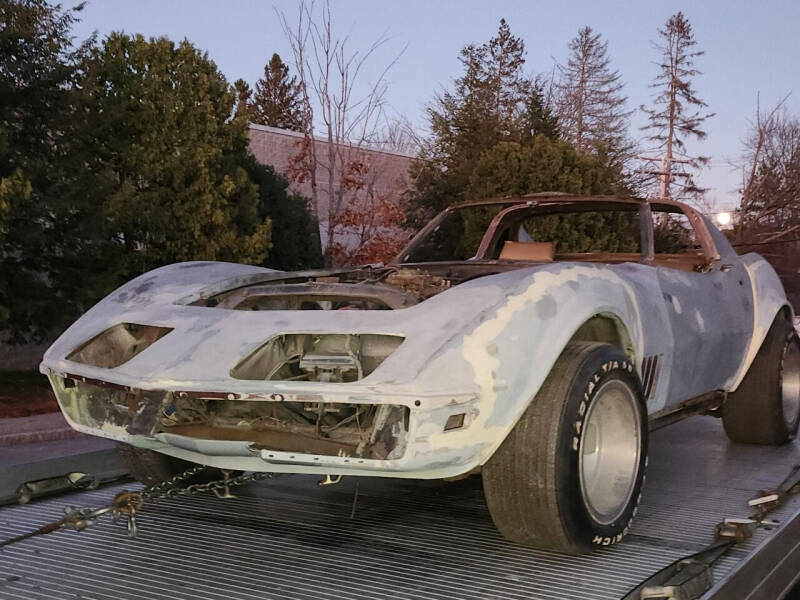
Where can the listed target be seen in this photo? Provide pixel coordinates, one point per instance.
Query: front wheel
(569, 475)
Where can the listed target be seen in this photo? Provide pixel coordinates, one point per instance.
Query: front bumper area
(378, 434)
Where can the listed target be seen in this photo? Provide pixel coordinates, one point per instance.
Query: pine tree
(677, 111)
(277, 101)
(170, 157)
(591, 106)
(501, 62)
(487, 105)
(539, 116)
(244, 106)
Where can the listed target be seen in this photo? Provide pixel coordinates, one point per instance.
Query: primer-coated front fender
(175, 283)
(509, 353)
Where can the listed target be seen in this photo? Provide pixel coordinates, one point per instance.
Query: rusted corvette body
(419, 368)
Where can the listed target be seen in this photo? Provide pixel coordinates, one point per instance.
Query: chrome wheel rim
(610, 451)
(790, 383)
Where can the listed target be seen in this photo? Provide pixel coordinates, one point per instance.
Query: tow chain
(127, 505)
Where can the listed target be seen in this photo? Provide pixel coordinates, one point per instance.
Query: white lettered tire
(569, 475)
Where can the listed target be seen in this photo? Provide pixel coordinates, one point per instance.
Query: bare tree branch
(330, 76)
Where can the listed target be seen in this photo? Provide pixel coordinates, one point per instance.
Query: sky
(751, 48)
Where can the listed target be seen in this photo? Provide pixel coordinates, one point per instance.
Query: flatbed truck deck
(409, 539)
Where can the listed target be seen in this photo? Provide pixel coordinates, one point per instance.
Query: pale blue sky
(750, 47)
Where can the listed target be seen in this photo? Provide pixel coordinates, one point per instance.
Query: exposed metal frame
(493, 231)
(705, 404)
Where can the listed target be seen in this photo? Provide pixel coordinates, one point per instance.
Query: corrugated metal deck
(289, 538)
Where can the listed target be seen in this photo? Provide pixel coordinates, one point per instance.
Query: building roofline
(299, 135)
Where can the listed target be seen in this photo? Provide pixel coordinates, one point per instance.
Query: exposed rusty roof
(561, 197)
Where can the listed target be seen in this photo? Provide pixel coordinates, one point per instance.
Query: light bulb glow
(724, 218)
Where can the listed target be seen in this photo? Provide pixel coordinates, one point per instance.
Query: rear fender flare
(769, 301)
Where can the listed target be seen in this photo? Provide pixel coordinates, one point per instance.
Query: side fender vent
(650, 369)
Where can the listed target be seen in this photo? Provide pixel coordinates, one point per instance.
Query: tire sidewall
(600, 366)
(790, 338)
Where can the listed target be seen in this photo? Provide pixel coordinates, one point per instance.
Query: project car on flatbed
(531, 339)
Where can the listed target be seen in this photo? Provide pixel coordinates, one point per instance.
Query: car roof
(563, 198)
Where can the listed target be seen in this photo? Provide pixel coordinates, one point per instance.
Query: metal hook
(330, 480)
(226, 493)
(132, 525)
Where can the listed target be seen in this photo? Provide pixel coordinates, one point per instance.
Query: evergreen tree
(548, 165)
(40, 119)
(487, 105)
(544, 165)
(539, 116)
(677, 111)
(15, 189)
(591, 106)
(169, 156)
(244, 107)
(295, 237)
(278, 100)
(118, 158)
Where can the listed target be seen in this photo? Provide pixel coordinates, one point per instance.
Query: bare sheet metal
(409, 539)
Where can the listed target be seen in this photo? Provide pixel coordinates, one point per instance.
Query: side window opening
(675, 241)
(674, 234)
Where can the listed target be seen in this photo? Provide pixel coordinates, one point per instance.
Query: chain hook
(127, 504)
(226, 493)
(330, 480)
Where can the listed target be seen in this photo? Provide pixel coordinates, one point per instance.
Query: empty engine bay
(388, 289)
(329, 358)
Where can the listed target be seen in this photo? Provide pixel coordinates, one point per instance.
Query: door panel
(708, 314)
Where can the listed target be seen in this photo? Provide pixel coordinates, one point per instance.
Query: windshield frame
(423, 233)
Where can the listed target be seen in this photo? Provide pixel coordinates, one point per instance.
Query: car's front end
(243, 369)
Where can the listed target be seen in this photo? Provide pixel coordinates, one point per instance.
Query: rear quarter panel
(769, 298)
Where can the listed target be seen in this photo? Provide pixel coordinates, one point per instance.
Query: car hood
(206, 340)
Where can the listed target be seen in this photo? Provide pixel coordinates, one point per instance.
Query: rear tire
(569, 475)
(765, 408)
(150, 467)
